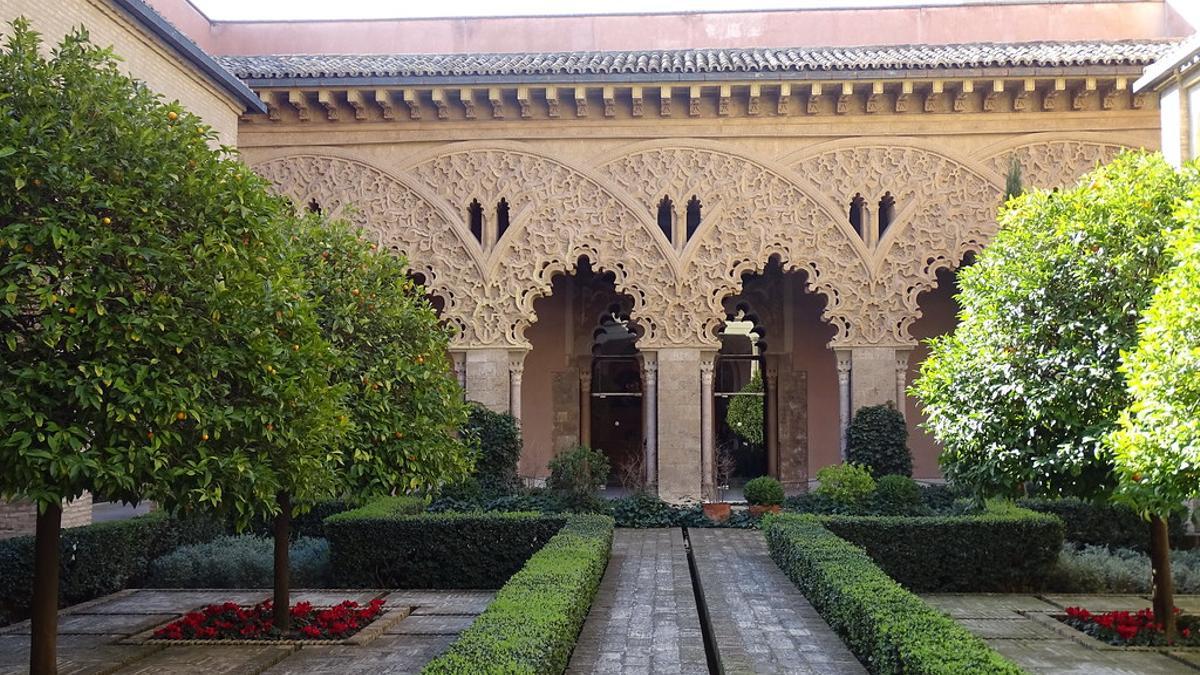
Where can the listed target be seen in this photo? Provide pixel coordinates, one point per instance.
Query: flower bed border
(1052, 621)
(365, 635)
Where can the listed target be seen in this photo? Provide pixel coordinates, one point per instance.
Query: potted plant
(765, 495)
(726, 464)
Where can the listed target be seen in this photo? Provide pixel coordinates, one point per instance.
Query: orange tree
(1028, 388)
(157, 338)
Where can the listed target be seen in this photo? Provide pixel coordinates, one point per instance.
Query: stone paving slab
(145, 601)
(987, 605)
(388, 654)
(644, 618)
(1100, 603)
(1067, 657)
(210, 660)
(1009, 629)
(760, 621)
(97, 624)
(431, 624)
(77, 654)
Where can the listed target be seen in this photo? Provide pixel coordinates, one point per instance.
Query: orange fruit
(106, 220)
(172, 116)
(204, 437)
(71, 311)
(181, 416)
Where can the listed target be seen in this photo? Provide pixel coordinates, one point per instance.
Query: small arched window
(858, 207)
(475, 220)
(501, 218)
(887, 212)
(666, 217)
(693, 216)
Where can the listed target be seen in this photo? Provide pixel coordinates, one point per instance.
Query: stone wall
(20, 517)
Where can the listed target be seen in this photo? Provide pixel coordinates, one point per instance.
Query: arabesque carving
(1055, 164)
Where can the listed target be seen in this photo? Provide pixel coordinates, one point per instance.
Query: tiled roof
(698, 63)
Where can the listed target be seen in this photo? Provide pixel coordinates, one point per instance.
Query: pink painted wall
(810, 335)
(939, 317)
(1007, 22)
(189, 20)
(548, 358)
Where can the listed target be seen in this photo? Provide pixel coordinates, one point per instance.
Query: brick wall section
(143, 56)
(20, 516)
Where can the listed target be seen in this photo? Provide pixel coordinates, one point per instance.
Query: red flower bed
(234, 622)
(1132, 629)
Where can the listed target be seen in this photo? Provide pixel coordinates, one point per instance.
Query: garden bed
(347, 623)
(1081, 626)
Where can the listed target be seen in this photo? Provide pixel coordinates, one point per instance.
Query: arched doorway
(740, 401)
(616, 397)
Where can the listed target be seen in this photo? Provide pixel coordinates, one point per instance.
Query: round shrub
(877, 438)
(578, 474)
(764, 491)
(897, 495)
(745, 414)
(244, 561)
(499, 441)
(849, 484)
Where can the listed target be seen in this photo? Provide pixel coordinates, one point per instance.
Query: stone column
(679, 425)
(487, 378)
(516, 368)
(650, 414)
(707, 440)
(874, 375)
(902, 380)
(843, 371)
(771, 416)
(585, 405)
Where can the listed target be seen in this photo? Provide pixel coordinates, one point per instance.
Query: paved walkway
(90, 635)
(760, 621)
(644, 617)
(1019, 627)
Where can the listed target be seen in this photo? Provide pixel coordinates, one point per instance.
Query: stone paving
(90, 635)
(1009, 624)
(761, 623)
(644, 618)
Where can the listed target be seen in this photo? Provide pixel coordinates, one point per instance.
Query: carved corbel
(1079, 97)
(960, 98)
(383, 99)
(552, 103)
(1109, 100)
(752, 103)
(694, 100)
(272, 105)
(843, 101)
(1021, 100)
(438, 96)
(725, 94)
(329, 102)
(875, 100)
(1139, 100)
(467, 98)
(496, 98)
(413, 103)
(609, 95)
(635, 95)
(989, 99)
(664, 101)
(355, 98)
(581, 106)
(933, 98)
(1050, 100)
(906, 90)
(300, 103)
(523, 102)
(785, 96)
(814, 99)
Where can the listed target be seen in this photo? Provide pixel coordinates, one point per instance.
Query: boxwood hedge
(1103, 524)
(1002, 549)
(383, 545)
(533, 622)
(888, 628)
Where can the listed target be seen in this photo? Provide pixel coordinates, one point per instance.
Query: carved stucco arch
(1053, 160)
(560, 213)
(396, 216)
(753, 212)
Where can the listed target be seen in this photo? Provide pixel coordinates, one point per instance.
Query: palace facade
(637, 224)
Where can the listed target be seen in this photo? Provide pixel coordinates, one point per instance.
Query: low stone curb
(362, 637)
(1050, 620)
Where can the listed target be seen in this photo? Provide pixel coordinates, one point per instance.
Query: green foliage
(1102, 524)
(380, 547)
(877, 438)
(1098, 569)
(763, 490)
(1012, 181)
(531, 625)
(897, 495)
(1027, 387)
(578, 474)
(243, 561)
(499, 441)
(643, 510)
(849, 485)
(745, 413)
(149, 301)
(888, 628)
(97, 559)
(384, 507)
(404, 407)
(1157, 445)
(1001, 549)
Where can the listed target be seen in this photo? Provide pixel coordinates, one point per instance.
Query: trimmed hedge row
(888, 628)
(1112, 525)
(532, 624)
(382, 546)
(97, 559)
(1005, 550)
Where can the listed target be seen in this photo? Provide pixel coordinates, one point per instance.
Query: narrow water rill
(711, 652)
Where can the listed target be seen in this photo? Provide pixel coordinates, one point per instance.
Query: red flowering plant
(230, 621)
(1132, 629)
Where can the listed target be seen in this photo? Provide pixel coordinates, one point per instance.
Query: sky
(234, 10)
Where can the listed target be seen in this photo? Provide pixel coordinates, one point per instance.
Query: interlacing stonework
(755, 208)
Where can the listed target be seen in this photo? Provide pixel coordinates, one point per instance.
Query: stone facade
(20, 517)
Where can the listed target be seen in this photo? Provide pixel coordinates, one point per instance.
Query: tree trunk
(1164, 586)
(283, 525)
(43, 644)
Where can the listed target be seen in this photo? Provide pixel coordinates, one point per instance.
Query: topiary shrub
(849, 485)
(745, 413)
(578, 474)
(897, 495)
(764, 491)
(877, 438)
(244, 561)
(499, 441)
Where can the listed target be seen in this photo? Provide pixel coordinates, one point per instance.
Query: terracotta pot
(717, 511)
(757, 510)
